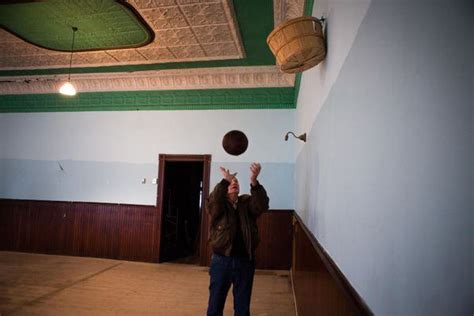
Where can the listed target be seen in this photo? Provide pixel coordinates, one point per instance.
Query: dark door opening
(182, 211)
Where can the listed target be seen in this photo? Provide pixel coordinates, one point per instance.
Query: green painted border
(255, 19)
(212, 99)
(308, 11)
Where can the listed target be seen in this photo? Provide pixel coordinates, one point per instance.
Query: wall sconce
(301, 137)
(68, 88)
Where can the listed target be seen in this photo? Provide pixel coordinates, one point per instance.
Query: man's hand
(254, 172)
(227, 175)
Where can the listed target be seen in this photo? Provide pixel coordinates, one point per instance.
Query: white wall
(385, 179)
(343, 18)
(105, 155)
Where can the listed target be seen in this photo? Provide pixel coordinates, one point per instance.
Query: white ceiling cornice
(184, 79)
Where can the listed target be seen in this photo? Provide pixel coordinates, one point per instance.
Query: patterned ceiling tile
(8, 62)
(195, 1)
(284, 10)
(213, 33)
(186, 52)
(165, 18)
(200, 39)
(18, 49)
(205, 14)
(92, 58)
(131, 55)
(224, 49)
(176, 23)
(6, 37)
(175, 37)
(29, 61)
(154, 53)
(55, 59)
(294, 9)
(147, 4)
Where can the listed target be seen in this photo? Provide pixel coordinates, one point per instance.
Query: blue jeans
(225, 271)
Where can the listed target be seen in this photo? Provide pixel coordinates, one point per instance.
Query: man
(234, 238)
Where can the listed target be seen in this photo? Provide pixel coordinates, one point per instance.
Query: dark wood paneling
(320, 287)
(275, 249)
(79, 229)
(117, 231)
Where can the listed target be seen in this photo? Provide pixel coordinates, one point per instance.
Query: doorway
(183, 188)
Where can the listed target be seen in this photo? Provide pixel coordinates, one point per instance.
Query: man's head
(233, 189)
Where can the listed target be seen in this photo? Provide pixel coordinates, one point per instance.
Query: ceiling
(202, 54)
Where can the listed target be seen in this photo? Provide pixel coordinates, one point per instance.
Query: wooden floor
(34, 284)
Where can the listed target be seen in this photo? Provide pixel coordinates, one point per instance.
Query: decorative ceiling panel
(169, 61)
(182, 29)
(284, 10)
(255, 22)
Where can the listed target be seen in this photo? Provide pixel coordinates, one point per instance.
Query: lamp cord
(74, 29)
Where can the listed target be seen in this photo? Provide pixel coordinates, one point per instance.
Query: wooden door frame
(206, 173)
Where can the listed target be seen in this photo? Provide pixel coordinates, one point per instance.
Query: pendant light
(68, 88)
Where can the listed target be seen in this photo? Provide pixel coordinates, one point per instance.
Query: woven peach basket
(298, 44)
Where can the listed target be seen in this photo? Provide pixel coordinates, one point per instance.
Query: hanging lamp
(68, 88)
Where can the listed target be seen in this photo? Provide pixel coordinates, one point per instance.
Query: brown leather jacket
(223, 217)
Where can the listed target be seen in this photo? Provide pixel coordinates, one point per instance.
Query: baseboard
(293, 291)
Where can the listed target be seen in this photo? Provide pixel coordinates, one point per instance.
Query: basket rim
(294, 39)
(289, 22)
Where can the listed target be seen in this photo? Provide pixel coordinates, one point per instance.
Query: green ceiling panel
(102, 24)
(212, 99)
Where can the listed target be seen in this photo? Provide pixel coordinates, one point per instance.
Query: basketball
(235, 143)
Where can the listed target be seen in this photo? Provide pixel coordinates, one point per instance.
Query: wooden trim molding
(319, 285)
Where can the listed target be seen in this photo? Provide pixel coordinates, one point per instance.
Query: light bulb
(67, 89)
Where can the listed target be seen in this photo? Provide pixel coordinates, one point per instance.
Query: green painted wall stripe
(213, 99)
(255, 20)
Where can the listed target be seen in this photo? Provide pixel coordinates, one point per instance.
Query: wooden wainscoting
(116, 231)
(275, 249)
(79, 229)
(320, 287)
